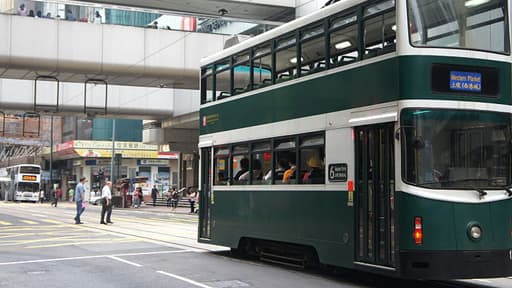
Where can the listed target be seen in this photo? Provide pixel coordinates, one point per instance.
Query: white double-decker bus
(25, 182)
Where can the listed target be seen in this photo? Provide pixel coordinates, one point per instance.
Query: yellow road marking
(5, 223)
(29, 222)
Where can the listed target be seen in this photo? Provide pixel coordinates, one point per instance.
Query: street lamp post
(113, 150)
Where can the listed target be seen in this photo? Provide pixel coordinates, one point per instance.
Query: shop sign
(152, 162)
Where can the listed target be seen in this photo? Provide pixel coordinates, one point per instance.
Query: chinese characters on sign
(465, 81)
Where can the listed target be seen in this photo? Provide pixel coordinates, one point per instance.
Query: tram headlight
(474, 231)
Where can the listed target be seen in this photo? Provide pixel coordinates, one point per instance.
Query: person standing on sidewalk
(106, 203)
(80, 199)
(192, 200)
(154, 194)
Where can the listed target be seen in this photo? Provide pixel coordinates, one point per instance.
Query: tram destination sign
(465, 81)
(338, 172)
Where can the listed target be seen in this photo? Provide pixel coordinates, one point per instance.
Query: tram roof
(283, 29)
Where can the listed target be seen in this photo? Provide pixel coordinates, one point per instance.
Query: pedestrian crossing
(23, 222)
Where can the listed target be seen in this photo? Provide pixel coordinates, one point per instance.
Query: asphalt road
(40, 246)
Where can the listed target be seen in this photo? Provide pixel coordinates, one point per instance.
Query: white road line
(184, 279)
(125, 261)
(89, 257)
(483, 280)
(39, 215)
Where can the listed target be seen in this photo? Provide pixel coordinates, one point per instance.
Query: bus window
(379, 31)
(285, 156)
(312, 154)
(221, 160)
(313, 50)
(240, 165)
(343, 41)
(262, 66)
(286, 58)
(261, 162)
(241, 73)
(223, 79)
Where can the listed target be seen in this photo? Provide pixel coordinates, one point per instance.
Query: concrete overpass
(57, 66)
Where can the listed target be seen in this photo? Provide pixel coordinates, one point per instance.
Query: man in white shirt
(106, 203)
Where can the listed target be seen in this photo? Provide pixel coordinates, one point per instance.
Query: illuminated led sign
(465, 81)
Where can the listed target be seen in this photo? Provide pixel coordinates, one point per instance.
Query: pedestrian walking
(80, 199)
(56, 194)
(175, 198)
(137, 197)
(106, 203)
(22, 10)
(71, 194)
(154, 194)
(41, 196)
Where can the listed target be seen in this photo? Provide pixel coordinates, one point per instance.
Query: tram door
(375, 187)
(205, 195)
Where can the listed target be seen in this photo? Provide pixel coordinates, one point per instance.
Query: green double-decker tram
(369, 135)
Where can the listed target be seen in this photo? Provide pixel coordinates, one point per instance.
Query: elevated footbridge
(62, 67)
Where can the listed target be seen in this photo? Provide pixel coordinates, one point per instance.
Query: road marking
(89, 257)
(125, 261)
(80, 243)
(29, 222)
(5, 223)
(184, 279)
(39, 215)
(483, 280)
(51, 221)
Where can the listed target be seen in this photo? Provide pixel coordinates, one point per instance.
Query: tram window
(379, 7)
(240, 164)
(286, 58)
(380, 35)
(484, 24)
(223, 80)
(312, 154)
(207, 85)
(285, 158)
(241, 73)
(221, 160)
(456, 149)
(262, 66)
(342, 21)
(344, 46)
(261, 162)
(313, 50)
